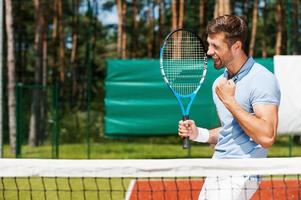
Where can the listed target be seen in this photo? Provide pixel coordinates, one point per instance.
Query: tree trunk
(25, 54)
(177, 14)
(222, 7)
(296, 34)
(254, 28)
(150, 30)
(177, 22)
(220, 11)
(45, 58)
(2, 101)
(55, 44)
(120, 27)
(216, 9)
(134, 31)
(174, 12)
(62, 46)
(279, 27)
(245, 10)
(74, 50)
(44, 107)
(227, 6)
(181, 14)
(264, 38)
(202, 15)
(121, 35)
(154, 31)
(123, 44)
(36, 121)
(94, 34)
(11, 75)
(19, 42)
(161, 20)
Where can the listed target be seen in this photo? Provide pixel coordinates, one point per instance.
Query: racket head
(183, 62)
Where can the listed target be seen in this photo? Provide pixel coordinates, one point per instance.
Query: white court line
(130, 189)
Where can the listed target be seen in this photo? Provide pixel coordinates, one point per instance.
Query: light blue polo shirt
(254, 85)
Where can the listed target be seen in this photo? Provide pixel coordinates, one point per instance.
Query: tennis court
(189, 189)
(141, 179)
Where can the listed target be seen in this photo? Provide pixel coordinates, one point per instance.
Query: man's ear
(236, 46)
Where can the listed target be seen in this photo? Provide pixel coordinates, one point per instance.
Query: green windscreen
(139, 103)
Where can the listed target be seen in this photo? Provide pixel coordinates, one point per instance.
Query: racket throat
(185, 117)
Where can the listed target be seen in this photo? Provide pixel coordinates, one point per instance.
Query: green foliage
(74, 127)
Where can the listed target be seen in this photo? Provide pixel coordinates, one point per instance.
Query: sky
(108, 17)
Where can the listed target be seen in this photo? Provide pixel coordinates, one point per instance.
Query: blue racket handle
(186, 142)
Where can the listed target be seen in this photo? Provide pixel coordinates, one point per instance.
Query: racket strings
(184, 62)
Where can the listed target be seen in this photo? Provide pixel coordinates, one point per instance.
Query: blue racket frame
(179, 97)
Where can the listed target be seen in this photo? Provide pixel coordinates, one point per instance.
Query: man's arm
(262, 126)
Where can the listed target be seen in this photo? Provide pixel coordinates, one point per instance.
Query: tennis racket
(183, 64)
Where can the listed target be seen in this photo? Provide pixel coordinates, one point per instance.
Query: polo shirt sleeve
(265, 90)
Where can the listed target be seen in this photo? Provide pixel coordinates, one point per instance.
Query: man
(247, 97)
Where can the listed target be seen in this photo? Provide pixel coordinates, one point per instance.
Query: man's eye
(214, 46)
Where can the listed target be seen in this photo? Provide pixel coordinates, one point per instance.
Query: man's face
(219, 50)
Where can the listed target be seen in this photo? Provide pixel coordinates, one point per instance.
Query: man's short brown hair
(234, 28)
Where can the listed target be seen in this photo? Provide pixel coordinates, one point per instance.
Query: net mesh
(184, 62)
(277, 178)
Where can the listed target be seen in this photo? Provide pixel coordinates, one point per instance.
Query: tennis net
(145, 179)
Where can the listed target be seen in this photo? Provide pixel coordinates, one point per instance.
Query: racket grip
(186, 142)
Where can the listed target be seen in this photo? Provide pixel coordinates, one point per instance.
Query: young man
(247, 97)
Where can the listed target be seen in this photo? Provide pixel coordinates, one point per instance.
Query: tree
(1, 79)
(124, 36)
(296, 21)
(38, 116)
(177, 14)
(222, 7)
(254, 28)
(264, 38)
(161, 19)
(55, 43)
(181, 14)
(174, 23)
(134, 35)
(279, 26)
(202, 15)
(121, 36)
(11, 74)
(74, 50)
(62, 42)
(150, 29)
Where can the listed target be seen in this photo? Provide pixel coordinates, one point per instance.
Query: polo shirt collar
(244, 70)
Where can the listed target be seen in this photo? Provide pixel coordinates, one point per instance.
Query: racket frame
(179, 97)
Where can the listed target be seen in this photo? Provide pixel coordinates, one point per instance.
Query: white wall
(288, 72)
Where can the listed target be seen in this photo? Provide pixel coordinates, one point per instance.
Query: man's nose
(209, 52)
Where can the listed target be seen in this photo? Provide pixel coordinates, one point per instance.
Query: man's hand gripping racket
(183, 64)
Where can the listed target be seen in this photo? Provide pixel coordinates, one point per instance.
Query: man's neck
(236, 64)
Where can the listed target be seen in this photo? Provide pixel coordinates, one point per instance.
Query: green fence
(45, 99)
(138, 102)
